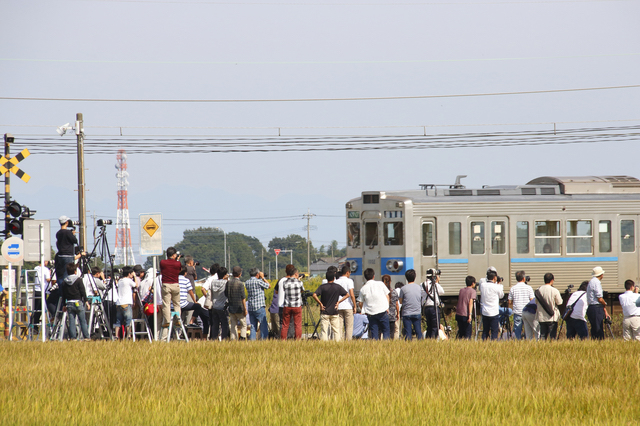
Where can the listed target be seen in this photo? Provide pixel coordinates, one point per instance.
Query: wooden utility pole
(308, 216)
(82, 211)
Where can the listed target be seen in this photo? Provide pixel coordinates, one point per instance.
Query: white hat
(597, 271)
(491, 268)
(63, 220)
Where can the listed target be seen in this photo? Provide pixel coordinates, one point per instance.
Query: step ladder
(143, 329)
(20, 312)
(59, 323)
(176, 326)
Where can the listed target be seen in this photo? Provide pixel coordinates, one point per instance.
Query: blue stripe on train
(562, 259)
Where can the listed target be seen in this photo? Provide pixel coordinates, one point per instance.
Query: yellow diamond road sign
(151, 227)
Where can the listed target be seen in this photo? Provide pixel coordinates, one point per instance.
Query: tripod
(505, 321)
(307, 314)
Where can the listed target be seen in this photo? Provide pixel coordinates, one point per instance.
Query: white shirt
(125, 292)
(490, 295)
(347, 284)
(47, 276)
(206, 286)
(426, 294)
(520, 294)
(373, 296)
(580, 308)
(628, 303)
(88, 285)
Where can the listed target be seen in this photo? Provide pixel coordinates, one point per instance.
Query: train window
(547, 237)
(627, 236)
(522, 237)
(455, 238)
(477, 237)
(498, 237)
(371, 234)
(427, 239)
(371, 198)
(353, 234)
(393, 233)
(579, 236)
(604, 233)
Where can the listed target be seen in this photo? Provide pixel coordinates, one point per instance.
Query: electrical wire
(371, 98)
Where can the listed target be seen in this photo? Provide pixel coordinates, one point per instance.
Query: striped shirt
(520, 294)
(594, 291)
(255, 289)
(185, 286)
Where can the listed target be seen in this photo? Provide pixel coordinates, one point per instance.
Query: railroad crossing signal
(13, 165)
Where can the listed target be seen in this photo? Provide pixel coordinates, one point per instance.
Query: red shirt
(170, 270)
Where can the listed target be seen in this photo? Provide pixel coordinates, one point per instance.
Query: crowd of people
(229, 307)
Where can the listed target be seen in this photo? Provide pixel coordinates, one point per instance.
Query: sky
(271, 50)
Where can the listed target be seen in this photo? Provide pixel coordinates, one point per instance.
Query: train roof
(545, 187)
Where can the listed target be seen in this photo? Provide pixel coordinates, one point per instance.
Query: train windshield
(353, 234)
(371, 234)
(393, 233)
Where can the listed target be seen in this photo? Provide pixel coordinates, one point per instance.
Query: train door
(489, 246)
(371, 246)
(428, 244)
(628, 259)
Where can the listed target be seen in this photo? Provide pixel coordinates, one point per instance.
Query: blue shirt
(594, 291)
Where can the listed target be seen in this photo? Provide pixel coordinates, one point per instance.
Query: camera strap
(424, 286)
(570, 307)
(548, 309)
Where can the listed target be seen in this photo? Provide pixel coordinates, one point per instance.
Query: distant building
(319, 267)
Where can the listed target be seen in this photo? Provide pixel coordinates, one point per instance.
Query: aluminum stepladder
(59, 322)
(173, 325)
(21, 312)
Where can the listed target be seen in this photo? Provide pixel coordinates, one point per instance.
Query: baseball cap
(63, 219)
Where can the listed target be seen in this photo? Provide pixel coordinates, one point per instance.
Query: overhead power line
(371, 98)
(156, 145)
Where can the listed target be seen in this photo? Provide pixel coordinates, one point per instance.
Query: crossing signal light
(14, 209)
(15, 226)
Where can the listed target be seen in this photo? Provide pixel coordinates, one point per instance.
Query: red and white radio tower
(124, 251)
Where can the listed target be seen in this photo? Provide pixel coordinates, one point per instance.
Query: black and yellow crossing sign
(11, 164)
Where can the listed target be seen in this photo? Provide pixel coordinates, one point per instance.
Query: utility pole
(308, 216)
(8, 138)
(82, 213)
(262, 260)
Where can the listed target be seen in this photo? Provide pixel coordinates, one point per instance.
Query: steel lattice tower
(124, 251)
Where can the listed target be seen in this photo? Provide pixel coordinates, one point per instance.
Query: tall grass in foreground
(315, 382)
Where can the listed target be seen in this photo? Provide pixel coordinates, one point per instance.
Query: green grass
(311, 382)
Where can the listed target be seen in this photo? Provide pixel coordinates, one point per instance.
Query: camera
(301, 276)
(104, 222)
(305, 295)
(608, 321)
(197, 264)
(568, 290)
(431, 273)
(73, 223)
(527, 279)
(500, 279)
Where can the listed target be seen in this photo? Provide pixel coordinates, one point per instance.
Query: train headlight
(394, 265)
(353, 266)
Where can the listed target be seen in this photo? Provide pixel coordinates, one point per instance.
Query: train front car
(380, 236)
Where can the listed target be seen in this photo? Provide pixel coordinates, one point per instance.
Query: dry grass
(320, 383)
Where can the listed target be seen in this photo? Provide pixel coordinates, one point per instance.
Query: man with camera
(374, 303)
(464, 308)
(256, 303)
(630, 303)
(65, 243)
(596, 312)
(290, 290)
(170, 271)
(519, 296)
(432, 302)
(124, 306)
(490, 294)
(548, 299)
(235, 292)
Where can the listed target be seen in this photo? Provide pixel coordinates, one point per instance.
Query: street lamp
(288, 251)
(225, 245)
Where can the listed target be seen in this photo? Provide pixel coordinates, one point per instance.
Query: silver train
(562, 225)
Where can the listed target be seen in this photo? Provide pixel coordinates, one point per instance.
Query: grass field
(311, 382)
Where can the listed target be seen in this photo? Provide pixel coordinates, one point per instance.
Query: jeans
(287, 314)
(219, 320)
(595, 313)
(465, 328)
(255, 317)
(123, 315)
(517, 326)
(379, 323)
(576, 327)
(431, 315)
(490, 324)
(76, 310)
(548, 329)
(412, 321)
(61, 262)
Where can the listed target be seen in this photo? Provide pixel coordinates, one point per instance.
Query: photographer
(374, 302)
(170, 271)
(235, 292)
(256, 285)
(96, 279)
(124, 308)
(65, 243)
(464, 308)
(216, 301)
(411, 297)
(519, 296)
(548, 299)
(76, 299)
(576, 322)
(291, 288)
(187, 306)
(490, 294)
(630, 303)
(596, 312)
(432, 303)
